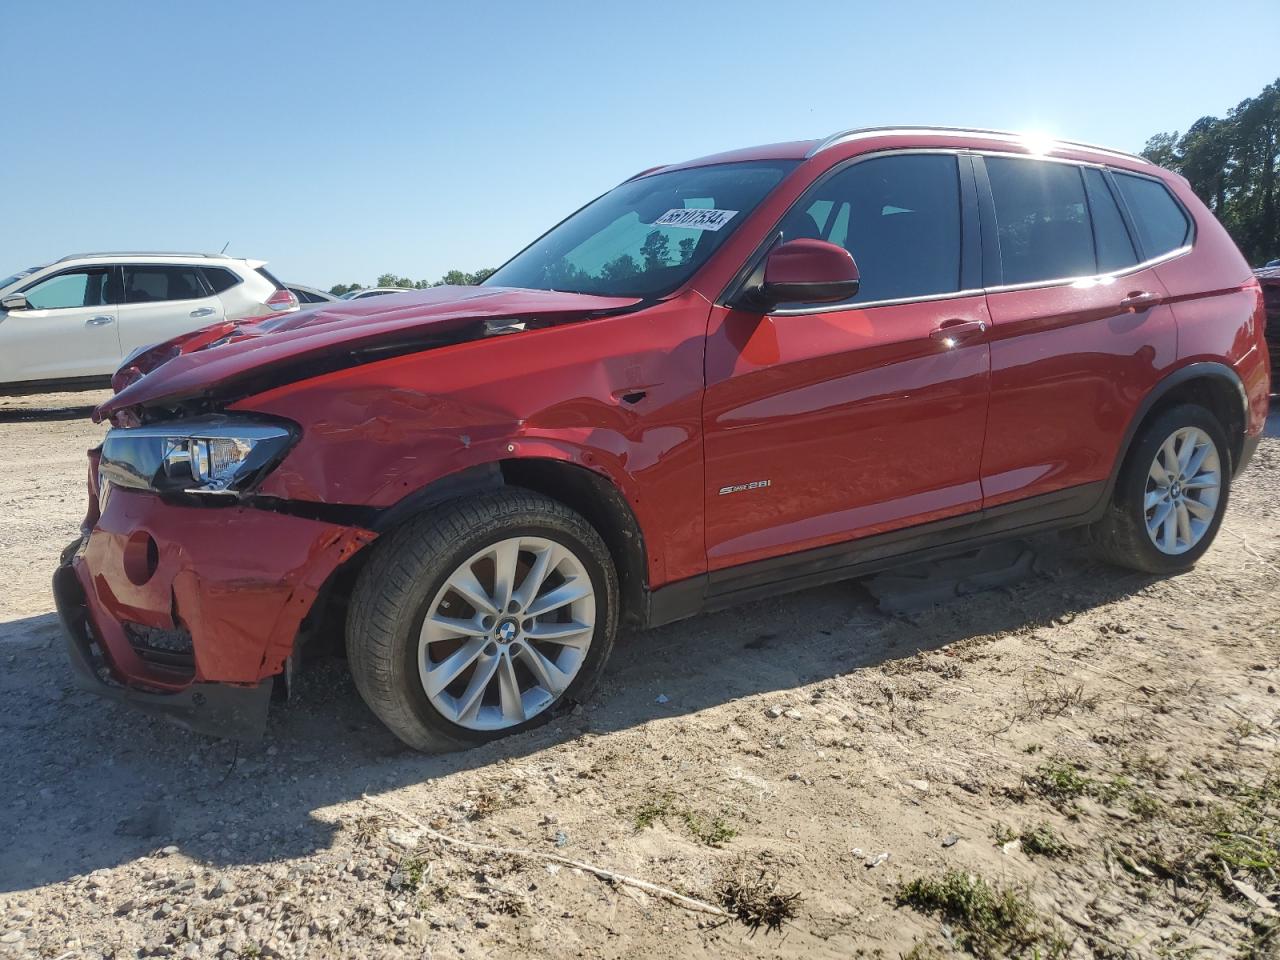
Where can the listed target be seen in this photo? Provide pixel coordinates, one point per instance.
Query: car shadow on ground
(86, 784)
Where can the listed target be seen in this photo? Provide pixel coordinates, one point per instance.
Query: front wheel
(1171, 494)
(481, 618)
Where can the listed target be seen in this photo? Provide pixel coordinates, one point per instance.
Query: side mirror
(808, 271)
(14, 301)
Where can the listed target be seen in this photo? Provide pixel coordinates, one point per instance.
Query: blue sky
(341, 140)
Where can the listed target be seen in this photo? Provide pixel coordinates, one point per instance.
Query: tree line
(1233, 165)
(455, 278)
(655, 251)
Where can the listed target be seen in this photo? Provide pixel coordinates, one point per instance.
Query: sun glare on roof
(1039, 144)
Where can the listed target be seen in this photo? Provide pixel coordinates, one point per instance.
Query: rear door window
(156, 283)
(79, 288)
(1111, 236)
(1042, 218)
(1162, 224)
(899, 217)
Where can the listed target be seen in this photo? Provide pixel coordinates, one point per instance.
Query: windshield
(646, 237)
(17, 276)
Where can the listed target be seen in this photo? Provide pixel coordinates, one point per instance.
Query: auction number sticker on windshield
(695, 218)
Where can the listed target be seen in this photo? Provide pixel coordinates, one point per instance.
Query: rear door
(68, 331)
(823, 424)
(163, 300)
(1080, 328)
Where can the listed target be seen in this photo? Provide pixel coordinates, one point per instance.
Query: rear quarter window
(266, 275)
(1162, 224)
(220, 279)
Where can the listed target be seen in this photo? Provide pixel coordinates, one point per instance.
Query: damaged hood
(237, 358)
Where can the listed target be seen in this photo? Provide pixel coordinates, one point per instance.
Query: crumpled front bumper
(189, 611)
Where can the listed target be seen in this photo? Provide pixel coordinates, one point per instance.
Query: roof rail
(858, 133)
(138, 253)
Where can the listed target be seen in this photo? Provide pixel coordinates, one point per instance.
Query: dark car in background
(1269, 278)
(308, 295)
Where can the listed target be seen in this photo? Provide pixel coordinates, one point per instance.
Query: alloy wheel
(1182, 492)
(507, 633)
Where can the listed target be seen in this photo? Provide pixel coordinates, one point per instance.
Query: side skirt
(24, 388)
(1074, 506)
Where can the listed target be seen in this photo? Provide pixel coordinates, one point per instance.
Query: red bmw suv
(723, 379)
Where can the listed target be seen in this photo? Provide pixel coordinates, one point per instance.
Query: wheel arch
(580, 488)
(589, 493)
(1214, 386)
(603, 506)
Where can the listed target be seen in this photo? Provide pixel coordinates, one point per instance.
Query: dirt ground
(1080, 764)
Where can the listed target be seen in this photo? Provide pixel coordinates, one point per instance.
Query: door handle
(99, 321)
(202, 312)
(951, 332)
(1139, 300)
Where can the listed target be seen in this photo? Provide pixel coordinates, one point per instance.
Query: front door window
(81, 288)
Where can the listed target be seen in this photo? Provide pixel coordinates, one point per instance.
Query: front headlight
(219, 455)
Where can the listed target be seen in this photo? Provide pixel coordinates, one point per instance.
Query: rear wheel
(482, 619)
(1171, 494)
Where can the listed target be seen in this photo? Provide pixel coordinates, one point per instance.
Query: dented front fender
(620, 396)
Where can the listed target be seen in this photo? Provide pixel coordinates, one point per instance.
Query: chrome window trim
(833, 307)
(865, 133)
(1002, 288)
(1114, 275)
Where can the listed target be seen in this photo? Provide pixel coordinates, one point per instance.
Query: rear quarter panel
(249, 297)
(1218, 306)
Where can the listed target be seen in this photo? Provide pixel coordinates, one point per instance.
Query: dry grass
(754, 898)
(988, 921)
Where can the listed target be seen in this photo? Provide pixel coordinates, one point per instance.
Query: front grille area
(166, 649)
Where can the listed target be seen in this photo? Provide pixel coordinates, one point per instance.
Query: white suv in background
(73, 322)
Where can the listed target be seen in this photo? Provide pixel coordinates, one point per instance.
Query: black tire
(1121, 537)
(410, 565)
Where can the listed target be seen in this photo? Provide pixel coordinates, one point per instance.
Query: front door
(825, 424)
(68, 331)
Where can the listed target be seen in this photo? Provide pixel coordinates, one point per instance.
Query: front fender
(620, 397)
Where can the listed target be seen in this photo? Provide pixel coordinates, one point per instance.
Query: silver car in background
(72, 322)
